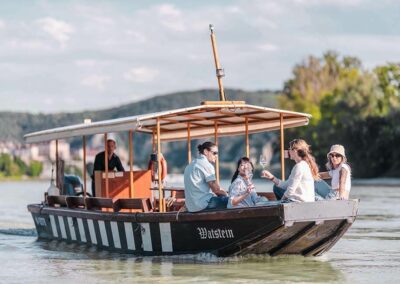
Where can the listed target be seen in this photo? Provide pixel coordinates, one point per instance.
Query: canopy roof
(228, 117)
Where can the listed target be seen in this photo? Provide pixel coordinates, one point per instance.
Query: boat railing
(100, 203)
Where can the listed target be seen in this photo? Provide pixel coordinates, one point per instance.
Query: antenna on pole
(219, 70)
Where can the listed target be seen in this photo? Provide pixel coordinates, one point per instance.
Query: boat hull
(308, 229)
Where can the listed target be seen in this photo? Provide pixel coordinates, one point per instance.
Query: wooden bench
(75, 202)
(142, 204)
(56, 200)
(98, 203)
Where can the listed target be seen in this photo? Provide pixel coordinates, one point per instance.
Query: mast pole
(219, 70)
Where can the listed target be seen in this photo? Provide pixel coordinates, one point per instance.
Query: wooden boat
(130, 217)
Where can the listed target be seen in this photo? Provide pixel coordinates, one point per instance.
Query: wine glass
(263, 161)
(249, 175)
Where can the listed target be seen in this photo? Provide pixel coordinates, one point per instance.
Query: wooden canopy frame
(211, 119)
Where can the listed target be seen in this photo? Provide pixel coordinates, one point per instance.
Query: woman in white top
(340, 173)
(300, 185)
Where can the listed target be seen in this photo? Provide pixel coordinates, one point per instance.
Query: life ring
(152, 165)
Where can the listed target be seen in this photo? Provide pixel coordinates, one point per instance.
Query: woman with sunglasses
(241, 191)
(300, 185)
(340, 173)
(202, 190)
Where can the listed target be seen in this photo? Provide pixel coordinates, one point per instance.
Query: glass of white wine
(263, 161)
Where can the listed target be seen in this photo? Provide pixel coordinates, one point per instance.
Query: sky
(80, 55)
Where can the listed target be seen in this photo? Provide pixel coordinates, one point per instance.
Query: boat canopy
(228, 118)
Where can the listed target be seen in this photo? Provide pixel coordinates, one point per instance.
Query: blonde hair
(304, 152)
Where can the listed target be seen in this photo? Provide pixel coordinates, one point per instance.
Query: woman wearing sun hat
(340, 173)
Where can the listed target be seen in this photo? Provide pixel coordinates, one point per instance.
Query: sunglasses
(335, 155)
(215, 153)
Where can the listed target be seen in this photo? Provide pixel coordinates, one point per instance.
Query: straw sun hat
(339, 149)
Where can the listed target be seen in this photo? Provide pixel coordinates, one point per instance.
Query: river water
(368, 253)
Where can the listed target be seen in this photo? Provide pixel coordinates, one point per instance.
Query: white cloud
(96, 81)
(59, 30)
(267, 47)
(2, 25)
(338, 3)
(141, 74)
(168, 10)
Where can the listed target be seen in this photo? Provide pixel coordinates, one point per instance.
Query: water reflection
(106, 266)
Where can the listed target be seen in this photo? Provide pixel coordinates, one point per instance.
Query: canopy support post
(160, 187)
(131, 185)
(106, 162)
(84, 165)
(247, 138)
(57, 177)
(189, 144)
(282, 138)
(216, 143)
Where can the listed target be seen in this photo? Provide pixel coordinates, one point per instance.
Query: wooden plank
(160, 185)
(326, 243)
(84, 165)
(131, 181)
(292, 241)
(56, 200)
(282, 140)
(106, 162)
(142, 204)
(97, 203)
(223, 103)
(75, 202)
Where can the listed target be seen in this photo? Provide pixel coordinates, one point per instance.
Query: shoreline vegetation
(350, 105)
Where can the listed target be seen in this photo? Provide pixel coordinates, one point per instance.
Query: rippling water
(368, 253)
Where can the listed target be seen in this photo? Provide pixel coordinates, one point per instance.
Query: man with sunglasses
(202, 191)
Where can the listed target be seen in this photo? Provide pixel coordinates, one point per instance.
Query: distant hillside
(14, 125)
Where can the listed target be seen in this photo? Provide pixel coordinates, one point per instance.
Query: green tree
(35, 168)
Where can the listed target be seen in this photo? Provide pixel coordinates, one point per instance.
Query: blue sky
(77, 55)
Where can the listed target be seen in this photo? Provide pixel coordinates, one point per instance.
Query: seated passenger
(340, 173)
(300, 185)
(242, 192)
(202, 191)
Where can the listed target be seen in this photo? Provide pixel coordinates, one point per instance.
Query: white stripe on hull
(115, 234)
(103, 233)
(62, 227)
(92, 232)
(71, 228)
(53, 226)
(130, 238)
(81, 230)
(165, 235)
(146, 237)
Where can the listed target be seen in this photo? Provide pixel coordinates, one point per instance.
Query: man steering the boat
(202, 190)
(114, 163)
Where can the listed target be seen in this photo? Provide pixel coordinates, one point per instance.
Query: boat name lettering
(205, 233)
(41, 221)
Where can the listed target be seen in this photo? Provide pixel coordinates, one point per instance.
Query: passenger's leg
(217, 202)
(322, 189)
(279, 192)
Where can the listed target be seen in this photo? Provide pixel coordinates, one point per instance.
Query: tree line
(14, 167)
(351, 105)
